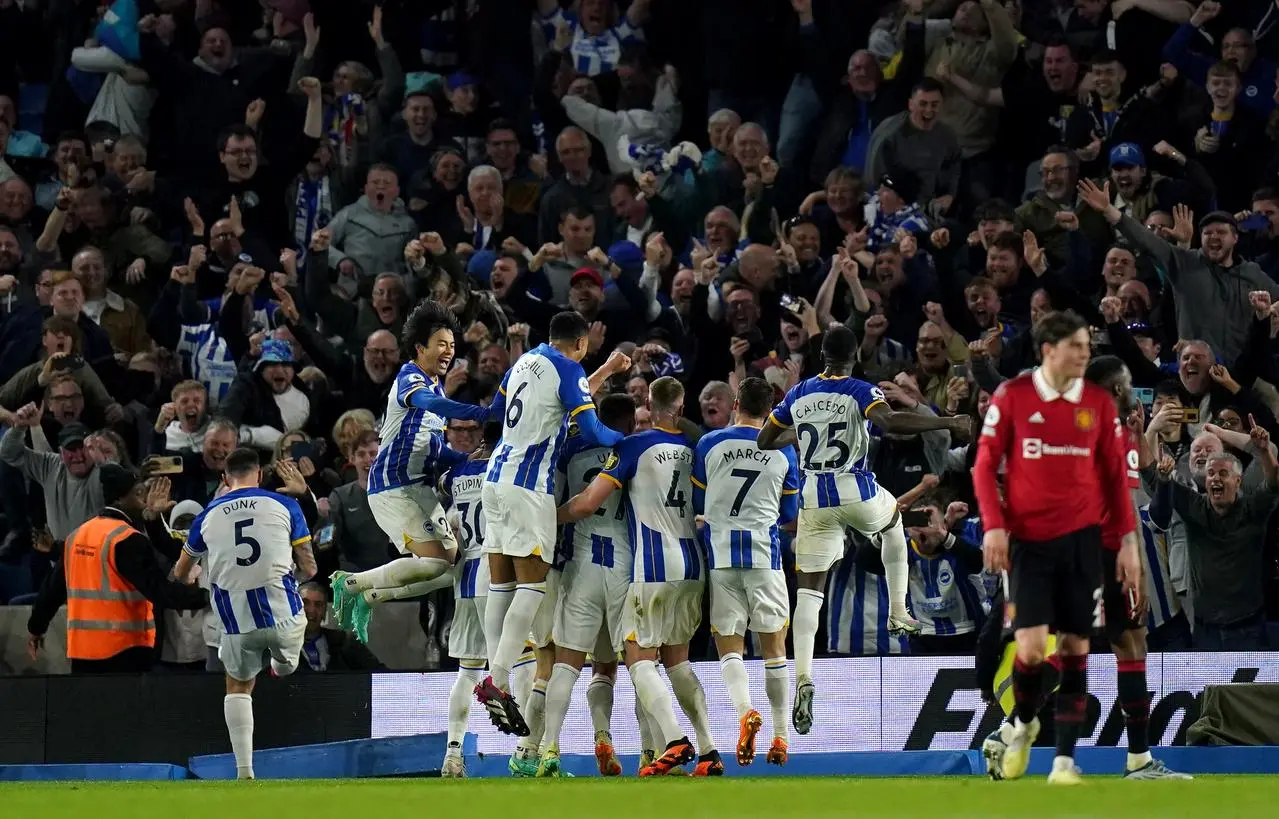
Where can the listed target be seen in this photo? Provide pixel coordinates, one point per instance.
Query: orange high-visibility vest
(105, 613)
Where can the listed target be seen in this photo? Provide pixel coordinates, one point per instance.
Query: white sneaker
(993, 748)
(1017, 754)
(454, 767)
(1154, 769)
(902, 625)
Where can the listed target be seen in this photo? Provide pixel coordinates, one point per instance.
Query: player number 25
(810, 439)
(241, 539)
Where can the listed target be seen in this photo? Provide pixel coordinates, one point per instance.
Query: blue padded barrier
(97, 773)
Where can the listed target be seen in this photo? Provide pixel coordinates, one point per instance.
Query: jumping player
(543, 391)
(825, 417)
(412, 454)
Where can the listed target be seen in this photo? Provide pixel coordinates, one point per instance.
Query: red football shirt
(1064, 456)
(1112, 535)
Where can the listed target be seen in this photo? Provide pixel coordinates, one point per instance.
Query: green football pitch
(737, 796)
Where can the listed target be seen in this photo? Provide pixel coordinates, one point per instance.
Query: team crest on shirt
(611, 461)
(1085, 419)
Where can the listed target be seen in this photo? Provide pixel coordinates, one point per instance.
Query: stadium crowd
(214, 220)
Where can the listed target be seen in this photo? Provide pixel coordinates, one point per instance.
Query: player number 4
(675, 495)
(241, 539)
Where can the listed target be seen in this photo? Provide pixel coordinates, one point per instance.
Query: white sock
(896, 569)
(692, 698)
(777, 686)
(419, 588)
(535, 717)
(657, 703)
(495, 606)
(517, 624)
(522, 679)
(559, 693)
(1136, 761)
(739, 689)
(648, 734)
(599, 698)
(398, 573)
(1063, 763)
(460, 702)
(238, 711)
(808, 610)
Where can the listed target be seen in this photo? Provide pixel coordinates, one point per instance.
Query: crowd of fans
(213, 223)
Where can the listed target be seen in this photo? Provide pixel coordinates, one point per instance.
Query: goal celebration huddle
(570, 538)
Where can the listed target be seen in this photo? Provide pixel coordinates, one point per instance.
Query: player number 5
(241, 539)
(515, 409)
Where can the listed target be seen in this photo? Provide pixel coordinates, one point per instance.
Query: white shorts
(466, 632)
(518, 522)
(411, 514)
(544, 620)
(588, 614)
(241, 654)
(748, 598)
(819, 538)
(663, 614)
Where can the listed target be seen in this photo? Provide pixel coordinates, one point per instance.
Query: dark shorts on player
(1058, 582)
(1116, 604)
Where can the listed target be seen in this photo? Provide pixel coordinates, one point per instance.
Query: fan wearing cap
(111, 581)
(270, 400)
(894, 208)
(72, 493)
(1211, 278)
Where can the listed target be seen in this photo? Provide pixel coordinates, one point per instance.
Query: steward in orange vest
(109, 577)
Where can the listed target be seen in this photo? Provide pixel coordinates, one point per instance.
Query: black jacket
(345, 654)
(137, 562)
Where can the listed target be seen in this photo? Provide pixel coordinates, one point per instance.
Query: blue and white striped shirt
(592, 55)
(247, 537)
(857, 612)
(205, 355)
(654, 467)
(829, 417)
(412, 438)
(1156, 577)
(602, 538)
(941, 596)
(465, 482)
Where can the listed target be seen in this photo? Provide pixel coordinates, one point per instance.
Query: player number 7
(749, 477)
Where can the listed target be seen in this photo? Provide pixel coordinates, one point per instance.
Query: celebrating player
(462, 487)
(826, 418)
(745, 495)
(251, 539)
(593, 585)
(544, 389)
(1061, 443)
(402, 501)
(664, 602)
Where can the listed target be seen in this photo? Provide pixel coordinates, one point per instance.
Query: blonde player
(664, 604)
(251, 539)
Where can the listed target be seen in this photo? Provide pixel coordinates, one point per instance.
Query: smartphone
(324, 537)
(916, 518)
(163, 465)
(69, 362)
(1145, 395)
(1190, 415)
(963, 371)
(1255, 221)
(463, 364)
(302, 449)
(791, 303)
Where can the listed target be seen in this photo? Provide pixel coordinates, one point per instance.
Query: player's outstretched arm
(910, 423)
(447, 407)
(591, 429)
(584, 503)
(183, 568)
(775, 436)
